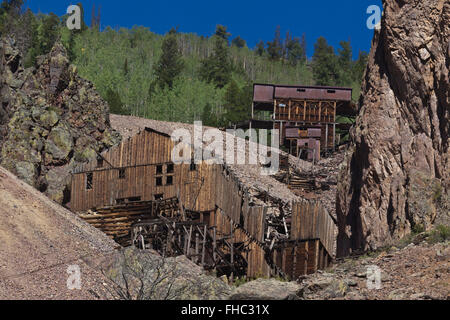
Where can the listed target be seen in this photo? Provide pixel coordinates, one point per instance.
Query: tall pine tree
(217, 68)
(325, 65)
(170, 64)
(345, 60)
(275, 48)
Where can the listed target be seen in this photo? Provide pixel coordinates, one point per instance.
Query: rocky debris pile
(402, 131)
(51, 120)
(416, 272)
(266, 289)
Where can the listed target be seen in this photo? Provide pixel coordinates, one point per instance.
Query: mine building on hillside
(138, 196)
(305, 115)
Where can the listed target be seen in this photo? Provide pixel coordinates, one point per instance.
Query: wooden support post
(320, 110)
(204, 245)
(186, 244)
(294, 265)
(326, 138)
(188, 253)
(275, 109)
(285, 227)
(289, 111)
(316, 255)
(334, 137)
(304, 114)
(305, 270)
(281, 133)
(334, 111)
(169, 240)
(197, 247)
(214, 244)
(232, 243)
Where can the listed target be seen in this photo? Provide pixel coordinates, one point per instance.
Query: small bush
(440, 234)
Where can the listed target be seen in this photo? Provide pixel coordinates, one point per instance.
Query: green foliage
(417, 229)
(295, 50)
(275, 47)
(345, 62)
(115, 103)
(360, 65)
(9, 12)
(181, 76)
(217, 68)
(440, 234)
(239, 42)
(222, 33)
(45, 31)
(236, 104)
(170, 64)
(325, 64)
(260, 48)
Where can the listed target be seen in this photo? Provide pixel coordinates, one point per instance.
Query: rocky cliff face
(50, 120)
(396, 174)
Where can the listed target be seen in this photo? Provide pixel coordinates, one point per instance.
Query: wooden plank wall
(139, 157)
(300, 258)
(255, 256)
(313, 111)
(234, 202)
(310, 220)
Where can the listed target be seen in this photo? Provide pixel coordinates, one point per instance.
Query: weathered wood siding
(136, 161)
(255, 255)
(311, 221)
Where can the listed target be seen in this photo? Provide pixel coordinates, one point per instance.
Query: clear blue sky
(252, 20)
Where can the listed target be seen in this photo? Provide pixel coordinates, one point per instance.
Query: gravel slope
(39, 240)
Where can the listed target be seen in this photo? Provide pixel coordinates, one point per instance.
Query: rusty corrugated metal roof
(267, 93)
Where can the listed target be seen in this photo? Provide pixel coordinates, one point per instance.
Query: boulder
(266, 289)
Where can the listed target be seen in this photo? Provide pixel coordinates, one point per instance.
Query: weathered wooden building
(305, 115)
(141, 169)
(138, 196)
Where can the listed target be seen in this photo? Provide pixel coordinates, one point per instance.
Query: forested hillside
(179, 76)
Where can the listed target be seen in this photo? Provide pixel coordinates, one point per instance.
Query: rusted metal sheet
(268, 92)
(314, 133)
(263, 93)
(313, 93)
(292, 133)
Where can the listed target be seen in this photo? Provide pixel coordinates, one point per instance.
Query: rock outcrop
(266, 289)
(50, 120)
(396, 174)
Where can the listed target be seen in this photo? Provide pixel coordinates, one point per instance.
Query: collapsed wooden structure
(136, 195)
(305, 115)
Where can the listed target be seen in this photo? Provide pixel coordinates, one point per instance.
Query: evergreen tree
(325, 66)
(237, 103)
(260, 48)
(221, 32)
(295, 51)
(345, 61)
(217, 68)
(125, 68)
(360, 66)
(170, 64)
(275, 48)
(239, 42)
(9, 12)
(84, 27)
(208, 117)
(115, 103)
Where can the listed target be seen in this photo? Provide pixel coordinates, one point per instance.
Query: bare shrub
(142, 275)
